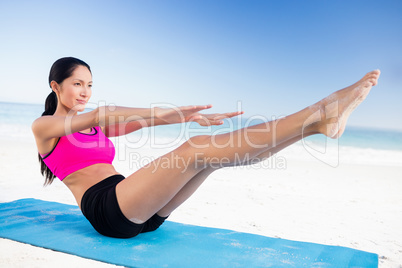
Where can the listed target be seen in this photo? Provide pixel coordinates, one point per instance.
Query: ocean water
(371, 145)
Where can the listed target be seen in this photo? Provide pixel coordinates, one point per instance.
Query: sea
(358, 145)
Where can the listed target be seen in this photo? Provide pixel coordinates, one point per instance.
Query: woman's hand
(191, 113)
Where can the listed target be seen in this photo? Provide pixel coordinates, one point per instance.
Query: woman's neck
(62, 110)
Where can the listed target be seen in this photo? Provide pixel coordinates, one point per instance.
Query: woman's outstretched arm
(202, 119)
(48, 127)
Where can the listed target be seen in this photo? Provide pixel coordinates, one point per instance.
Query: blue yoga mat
(63, 228)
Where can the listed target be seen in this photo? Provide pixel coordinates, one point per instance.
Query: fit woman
(75, 148)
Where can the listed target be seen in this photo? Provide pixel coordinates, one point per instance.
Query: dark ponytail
(63, 68)
(50, 109)
(50, 104)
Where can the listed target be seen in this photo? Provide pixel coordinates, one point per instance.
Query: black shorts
(99, 205)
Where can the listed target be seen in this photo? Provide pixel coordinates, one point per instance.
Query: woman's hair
(62, 69)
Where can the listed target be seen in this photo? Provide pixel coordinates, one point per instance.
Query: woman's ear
(55, 86)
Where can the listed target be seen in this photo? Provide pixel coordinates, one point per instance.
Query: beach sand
(355, 205)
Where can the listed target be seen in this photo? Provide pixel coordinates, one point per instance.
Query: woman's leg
(152, 187)
(198, 179)
(149, 190)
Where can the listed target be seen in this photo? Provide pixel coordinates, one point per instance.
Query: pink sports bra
(79, 150)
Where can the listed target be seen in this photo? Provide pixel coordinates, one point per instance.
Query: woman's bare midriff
(81, 180)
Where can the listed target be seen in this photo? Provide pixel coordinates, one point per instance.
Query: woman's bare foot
(337, 107)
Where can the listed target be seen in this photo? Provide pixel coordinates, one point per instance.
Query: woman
(75, 148)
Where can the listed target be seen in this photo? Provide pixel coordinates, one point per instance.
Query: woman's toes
(365, 83)
(375, 73)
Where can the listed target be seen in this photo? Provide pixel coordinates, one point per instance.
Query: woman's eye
(89, 85)
(77, 84)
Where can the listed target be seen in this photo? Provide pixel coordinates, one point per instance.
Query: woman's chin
(81, 109)
(78, 108)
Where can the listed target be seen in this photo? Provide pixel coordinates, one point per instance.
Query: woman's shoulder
(39, 122)
(53, 126)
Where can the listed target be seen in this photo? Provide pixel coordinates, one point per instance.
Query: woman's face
(75, 91)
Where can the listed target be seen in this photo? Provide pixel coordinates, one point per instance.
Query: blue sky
(274, 57)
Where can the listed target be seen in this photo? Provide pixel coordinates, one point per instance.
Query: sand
(357, 204)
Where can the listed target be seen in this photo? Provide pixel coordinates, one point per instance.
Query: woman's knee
(207, 154)
(199, 142)
(195, 149)
(203, 152)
